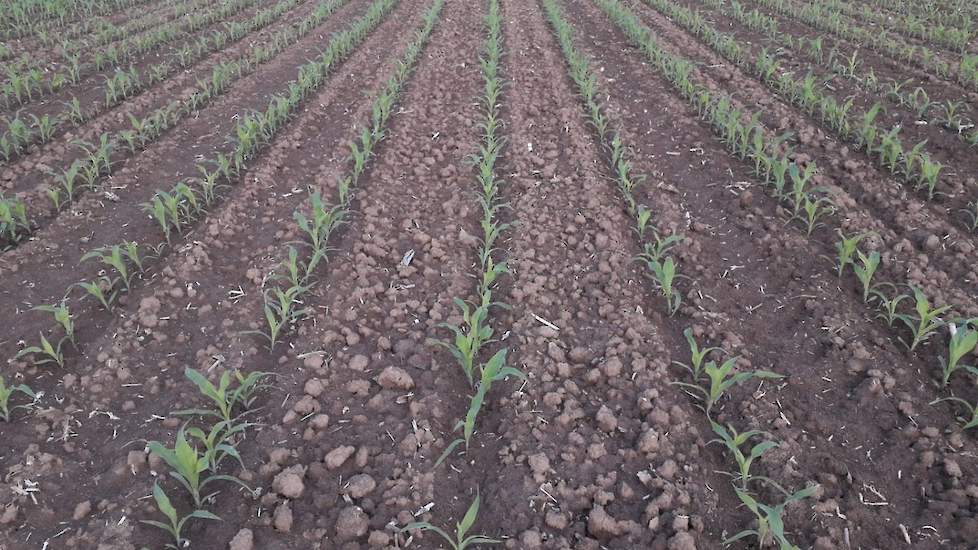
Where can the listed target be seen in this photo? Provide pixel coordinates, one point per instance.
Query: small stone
(539, 463)
(9, 514)
(82, 509)
(682, 541)
(395, 378)
(606, 419)
(649, 442)
(244, 540)
(335, 458)
(360, 486)
(314, 387)
(359, 362)
(351, 524)
(282, 519)
(288, 484)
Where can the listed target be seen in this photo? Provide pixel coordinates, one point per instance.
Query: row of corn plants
(25, 84)
(953, 33)
(471, 338)
(819, 17)
(283, 306)
(92, 33)
(20, 18)
(906, 307)
(739, 129)
(914, 164)
(177, 208)
(84, 173)
(947, 115)
(914, 311)
(125, 84)
(202, 447)
(709, 382)
(959, 13)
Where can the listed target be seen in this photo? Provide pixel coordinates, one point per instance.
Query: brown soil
(597, 448)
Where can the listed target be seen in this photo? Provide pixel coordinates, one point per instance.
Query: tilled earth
(597, 447)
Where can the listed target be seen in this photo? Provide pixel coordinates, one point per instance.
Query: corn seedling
(462, 539)
(733, 441)
(117, 257)
(6, 392)
(971, 211)
(928, 172)
(61, 316)
(813, 210)
(47, 352)
(696, 355)
(845, 248)
(963, 341)
(722, 378)
(187, 467)
(175, 523)
(972, 410)
(281, 310)
(889, 306)
(217, 444)
(492, 371)
(100, 289)
(865, 271)
(223, 396)
(320, 223)
(470, 339)
(13, 219)
(770, 519)
(926, 322)
(44, 126)
(664, 274)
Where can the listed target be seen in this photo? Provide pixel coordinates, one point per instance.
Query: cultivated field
(528, 274)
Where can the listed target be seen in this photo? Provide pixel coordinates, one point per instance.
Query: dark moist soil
(772, 277)
(30, 177)
(960, 160)
(91, 88)
(597, 449)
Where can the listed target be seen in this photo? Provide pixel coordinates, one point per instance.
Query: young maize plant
(865, 271)
(462, 539)
(808, 94)
(846, 248)
(223, 396)
(46, 352)
(770, 519)
(963, 341)
(493, 370)
(6, 392)
(320, 223)
(925, 323)
(733, 441)
(696, 355)
(971, 211)
(175, 523)
(118, 257)
(470, 337)
(61, 316)
(102, 289)
(721, 379)
(889, 307)
(661, 268)
(190, 468)
(14, 224)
